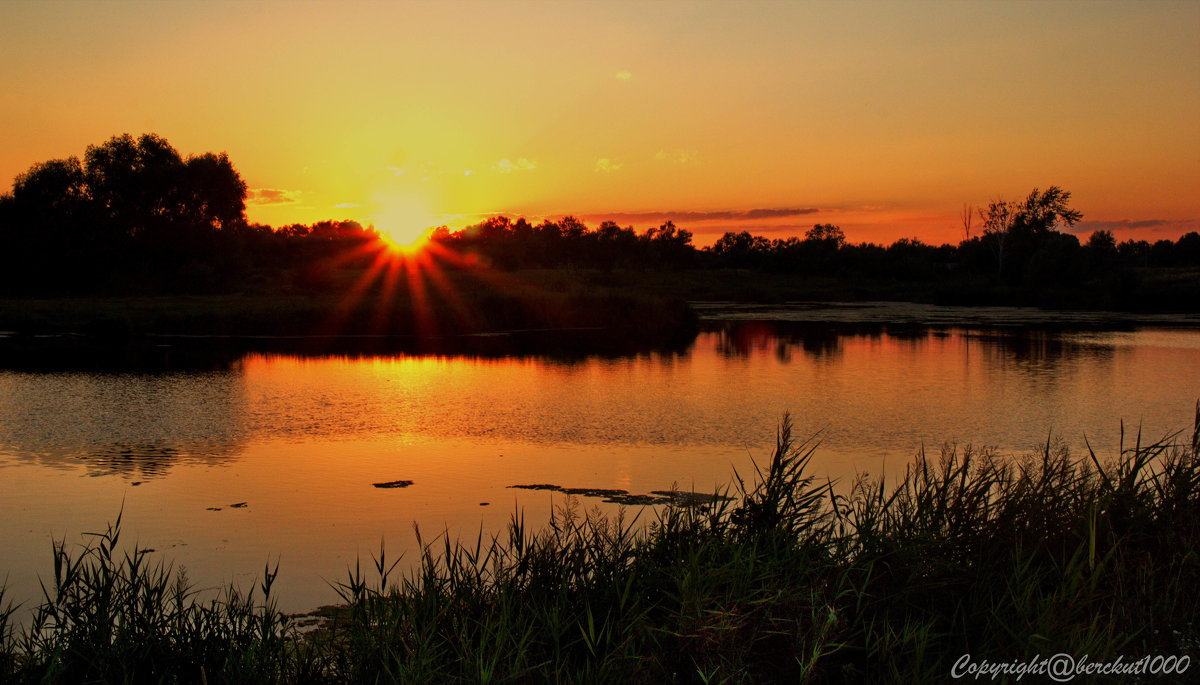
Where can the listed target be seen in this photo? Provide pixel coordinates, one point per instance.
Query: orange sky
(883, 118)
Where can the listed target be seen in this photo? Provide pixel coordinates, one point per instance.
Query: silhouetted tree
(740, 250)
(145, 186)
(1102, 241)
(1016, 229)
(44, 228)
(826, 234)
(669, 246)
(997, 229)
(1056, 262)
(1187, 249)
(132, 210)
(1135, 253)
(1041, 213)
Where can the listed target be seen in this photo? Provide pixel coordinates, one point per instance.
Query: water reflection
(301, 436)
(1035, 349)
(175, 353)
(1041, 351)
(133, 425)
(876, 387)
(744, 338)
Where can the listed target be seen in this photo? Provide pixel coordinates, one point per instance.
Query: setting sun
(404, 224)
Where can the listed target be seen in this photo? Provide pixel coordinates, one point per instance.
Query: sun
(402, 241)
(404, 225)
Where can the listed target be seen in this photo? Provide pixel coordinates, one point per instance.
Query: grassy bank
(476, 300)
(1155, 290)
(795, 580)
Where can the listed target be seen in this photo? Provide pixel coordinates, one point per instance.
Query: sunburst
(412, 280)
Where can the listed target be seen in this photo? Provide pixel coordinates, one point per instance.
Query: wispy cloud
(677, 156)
(272, 196)
(346, 205)
(396, 171)
(507, 166)
(624, 75)
(607, 165)
(1156, 226)
(694, 216)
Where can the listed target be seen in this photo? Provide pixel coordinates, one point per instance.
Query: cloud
(346, 205)
(694, 216)
(506, 165)
(607, 165)
(772, 213)
(677, 156)
(624, 75)
(396, 171)
(1158, 226)
(272, 196)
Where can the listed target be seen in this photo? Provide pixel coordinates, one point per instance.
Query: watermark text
(1063, 668)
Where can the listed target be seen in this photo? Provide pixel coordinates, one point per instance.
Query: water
(301, 440)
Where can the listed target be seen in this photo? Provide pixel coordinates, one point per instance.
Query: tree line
(1021, 244)
(134, 216)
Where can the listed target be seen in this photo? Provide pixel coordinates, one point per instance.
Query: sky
(883, 118)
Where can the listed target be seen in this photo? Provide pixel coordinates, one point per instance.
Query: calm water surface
(301, 440)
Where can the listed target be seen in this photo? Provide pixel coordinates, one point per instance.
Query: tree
(997, 226)
(51, 199)
(1102, 242)
(212, 193)
(44, 227)
(1042, 213)
(1017, 229)
(741, 249)
(132, 209)
(1187, 249)
(668, 245)
(145, 186)
(827, 234)
(131, 181)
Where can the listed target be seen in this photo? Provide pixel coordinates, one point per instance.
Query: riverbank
(463, 316)
(558, 313)
(1150, 291)
(352, 301)
(795, 579)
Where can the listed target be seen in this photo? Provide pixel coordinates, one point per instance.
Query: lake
(273, 456)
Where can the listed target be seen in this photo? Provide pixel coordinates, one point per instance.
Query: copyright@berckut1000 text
(1064, 667)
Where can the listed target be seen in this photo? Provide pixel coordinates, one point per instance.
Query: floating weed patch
(784, 578)
(393, 484)
(611, 496)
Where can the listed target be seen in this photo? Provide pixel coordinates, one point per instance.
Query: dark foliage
(134, 217)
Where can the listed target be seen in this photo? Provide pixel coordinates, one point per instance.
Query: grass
(794, 580)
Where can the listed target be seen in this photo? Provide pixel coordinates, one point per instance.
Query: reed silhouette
(795, 579)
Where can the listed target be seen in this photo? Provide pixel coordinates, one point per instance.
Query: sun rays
(407, 289)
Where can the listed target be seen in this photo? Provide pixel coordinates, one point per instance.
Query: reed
(793, 579)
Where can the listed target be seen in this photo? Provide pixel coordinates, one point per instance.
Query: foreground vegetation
(796, 580)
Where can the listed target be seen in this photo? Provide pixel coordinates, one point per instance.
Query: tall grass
(792, 580)
(110, 616)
